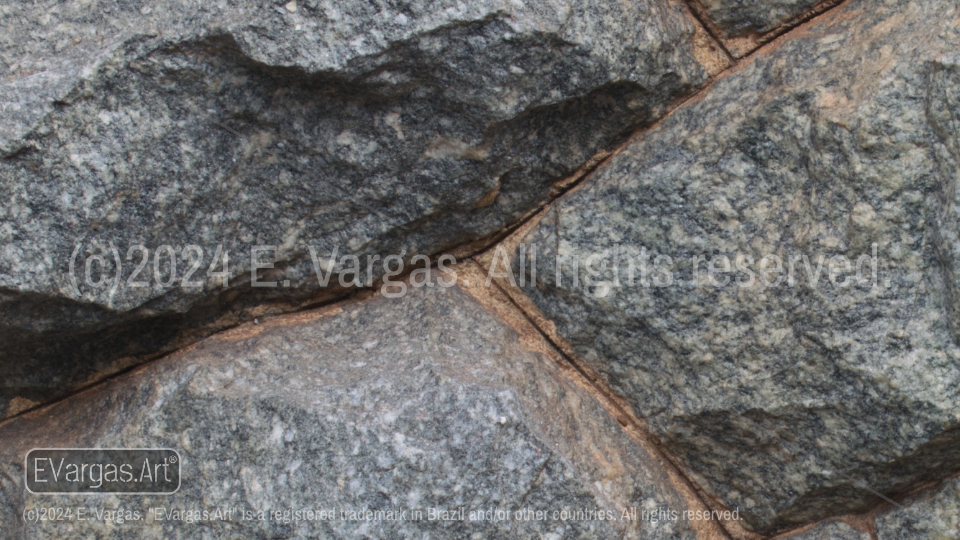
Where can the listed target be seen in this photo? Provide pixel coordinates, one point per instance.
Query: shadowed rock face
(784, 400)
(739, 17)
(395, 129)
(425, 401)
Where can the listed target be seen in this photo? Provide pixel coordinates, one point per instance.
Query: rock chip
(140, 142)
(796, 392)
(429, 401)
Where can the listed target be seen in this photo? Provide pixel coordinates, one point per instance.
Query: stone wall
(497, 269)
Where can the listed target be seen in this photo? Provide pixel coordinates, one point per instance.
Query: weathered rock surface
(931, 516)
(739, 17)
(413, 403)
(830, 530)
(415, 126)
(793, 401)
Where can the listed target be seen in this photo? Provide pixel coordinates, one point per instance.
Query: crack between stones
(772, 40)
(866, 521)
(615, 406)
(698, 13)
(468, 250)
(758, 39)
(92, 385)
(464, 250)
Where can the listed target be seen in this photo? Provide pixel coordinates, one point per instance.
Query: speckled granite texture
(789, 402)
(931, 516)
(413, 403)
(400, 128)
(738, 17)
(830, 530)
(750, 305)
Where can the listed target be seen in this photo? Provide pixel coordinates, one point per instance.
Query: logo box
(76, 471)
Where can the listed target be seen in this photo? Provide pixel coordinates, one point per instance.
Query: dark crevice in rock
(396, 406)
(697, 11)
(618, 408)
(813, 126)
(745, 39)
(263, 133)
(98, 348)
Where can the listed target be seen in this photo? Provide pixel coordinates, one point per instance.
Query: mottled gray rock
(739, 17)
(931, 516)
(830, 530)
(423, 402)
(943, 112)
(396, 127)
(791, 402)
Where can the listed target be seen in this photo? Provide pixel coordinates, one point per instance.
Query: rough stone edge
(708, 51)
(867, 521)
(864, 522)
(471, 279)
(233, 321)
(501, 303)
(511, 304)
(508, 302)
(741, 46)
(226, 322)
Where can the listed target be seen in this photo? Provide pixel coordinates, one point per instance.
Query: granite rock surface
(428, 401)
(136, 133)
(792, 392)
(930, 516)
(739, 17)
(830, 530)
